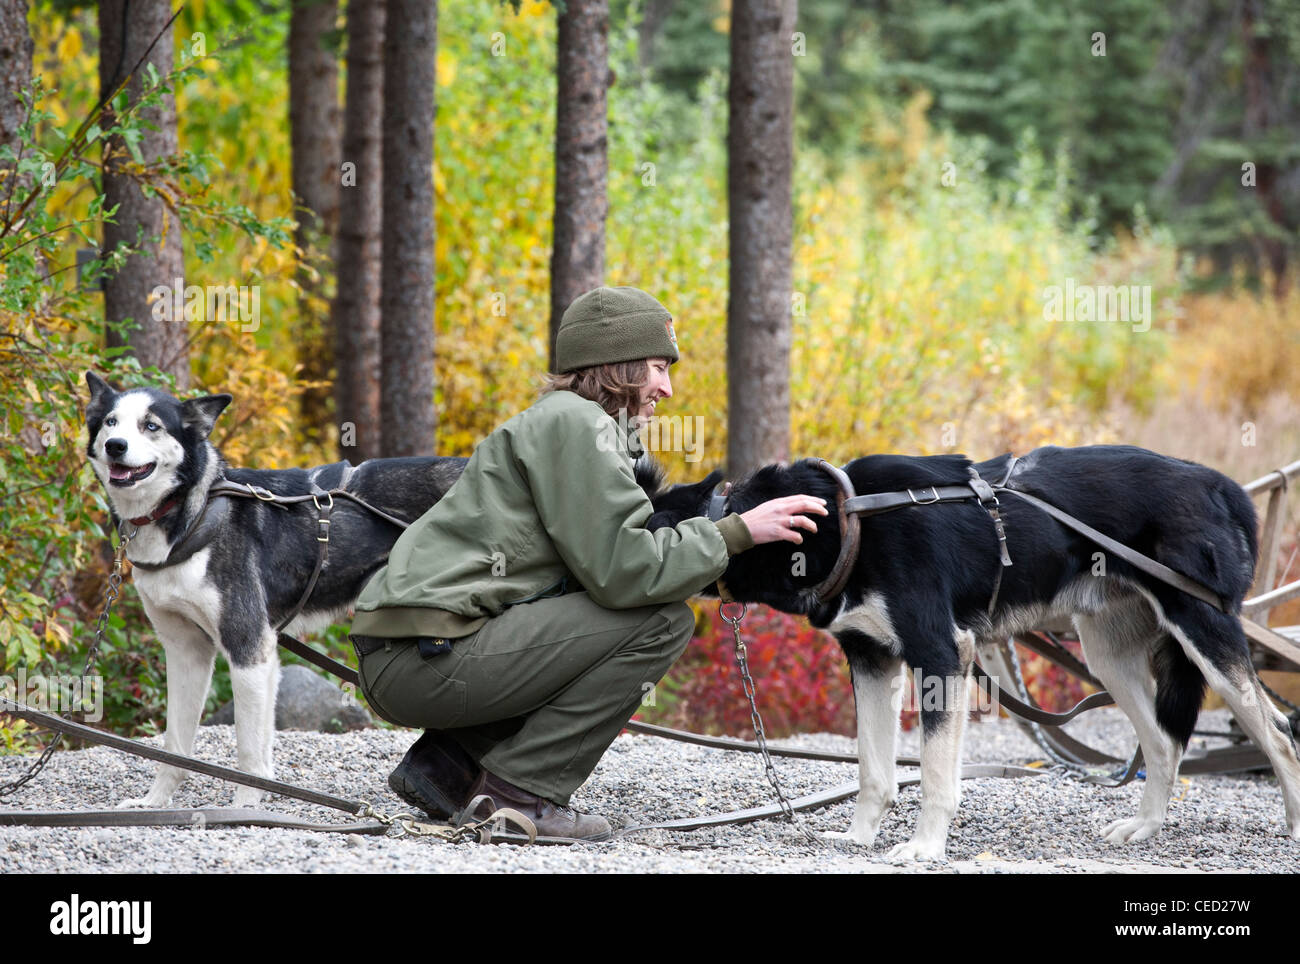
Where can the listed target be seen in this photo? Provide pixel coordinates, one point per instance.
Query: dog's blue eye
(152, 426)
(110, 421)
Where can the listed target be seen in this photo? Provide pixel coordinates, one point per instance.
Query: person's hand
(781, 518)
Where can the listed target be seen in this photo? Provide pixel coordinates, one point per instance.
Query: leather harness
(851, 506)
(204, 528)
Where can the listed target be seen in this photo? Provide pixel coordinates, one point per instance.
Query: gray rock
(306, 701)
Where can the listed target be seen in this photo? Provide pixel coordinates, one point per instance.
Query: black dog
(919, 592)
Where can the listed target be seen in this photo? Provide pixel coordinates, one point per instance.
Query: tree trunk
(15, 74)
(356, 305)
(760, 154)
(408, 420)
(125, 31)
(581, 162)
(1262, 114)
(654, 14)
(315, 143)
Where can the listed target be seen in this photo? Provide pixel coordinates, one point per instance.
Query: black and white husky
(222, 573)
(919, 593)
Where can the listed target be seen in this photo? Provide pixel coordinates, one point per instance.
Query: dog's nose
(116, 447)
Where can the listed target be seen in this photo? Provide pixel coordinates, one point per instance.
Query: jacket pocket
(557, 589)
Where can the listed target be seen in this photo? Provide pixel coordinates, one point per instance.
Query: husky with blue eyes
(218, 575)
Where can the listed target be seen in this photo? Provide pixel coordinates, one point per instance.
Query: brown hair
(613, 386)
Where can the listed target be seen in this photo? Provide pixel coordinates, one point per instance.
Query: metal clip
(915, 501)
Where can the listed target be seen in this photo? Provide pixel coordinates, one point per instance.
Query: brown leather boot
(551, 819)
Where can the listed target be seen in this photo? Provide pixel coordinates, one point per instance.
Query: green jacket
(548, 504)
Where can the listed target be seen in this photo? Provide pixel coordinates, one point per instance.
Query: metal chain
(111, 592)
(407, 823)
(1077, 770)
(742, 660)
(1293, 717)
(1022, 692)
(1277, 696)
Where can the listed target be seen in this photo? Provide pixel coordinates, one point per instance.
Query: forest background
(954, 163)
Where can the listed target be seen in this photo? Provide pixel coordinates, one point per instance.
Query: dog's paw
(861, 839)
(917, 849)
(151, 802)
(1131, 830)
(248, 796)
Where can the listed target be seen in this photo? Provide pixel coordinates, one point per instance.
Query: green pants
(539, 693)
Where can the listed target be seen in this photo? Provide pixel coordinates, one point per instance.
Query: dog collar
(156, 514)
(717, 507)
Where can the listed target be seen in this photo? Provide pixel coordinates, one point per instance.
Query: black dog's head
(779, 574)
(680, 502)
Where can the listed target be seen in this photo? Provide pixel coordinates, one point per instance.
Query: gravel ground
(1048, 824)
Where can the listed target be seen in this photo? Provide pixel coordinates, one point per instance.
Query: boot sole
(421, 794)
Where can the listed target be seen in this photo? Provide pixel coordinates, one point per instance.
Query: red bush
(801, 679)
(799, 673)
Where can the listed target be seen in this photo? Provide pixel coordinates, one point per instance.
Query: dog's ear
(201, 414)
(99, 389)
(702, 491)
(649, 475)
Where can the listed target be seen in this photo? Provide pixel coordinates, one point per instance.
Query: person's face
(658, 386)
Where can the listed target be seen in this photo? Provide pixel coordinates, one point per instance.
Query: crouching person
(520, 621)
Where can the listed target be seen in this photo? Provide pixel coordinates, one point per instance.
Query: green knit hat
(613, 325)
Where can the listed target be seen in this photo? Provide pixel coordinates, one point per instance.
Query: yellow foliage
(918, 321)
(446, 69)
(259, 429)
(1238, 349)
(69, 45)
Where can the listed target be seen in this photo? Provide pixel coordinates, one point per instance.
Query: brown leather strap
(322, 554)
(814, 801)
(874, 503)
(317, 658)
(204, 528)
(156, 514)
(199, 818)
(1133, 558)
(1032, 713)
(850, 536)
(52, 722)
(247, 490)
(1044, 643)
(729, 743)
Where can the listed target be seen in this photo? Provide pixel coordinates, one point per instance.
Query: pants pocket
(410, 691)
(371, 669)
